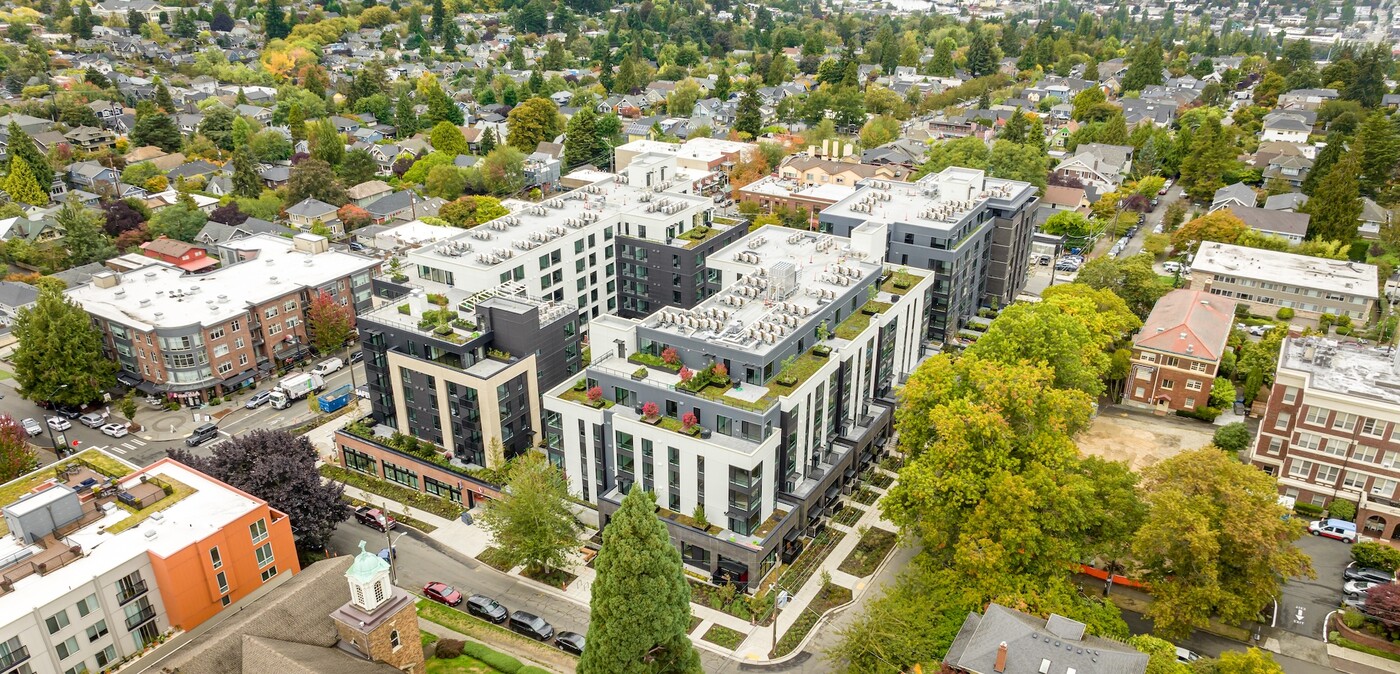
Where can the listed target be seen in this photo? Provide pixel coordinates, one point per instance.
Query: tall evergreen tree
(942, 63)
(723, 85)
(488, 141)
(437, 18)
(326, 143)
(580, 138)
(134, 21)
(59, 354)
(246, 182)
(628, 634)
(22, 186)
(1381, 153)
(275, 24)
(749, 116)
(1145, 67)
(405, 120)
(296, 122)
(981, 55)
(83, 235)
(154, 127)
(82, 23)
(21, 145)
(1203, 169)
(163, 99)
(1325, 162)
(1336, 203)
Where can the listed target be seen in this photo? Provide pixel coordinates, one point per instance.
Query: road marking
(138, 443)
(127, 446)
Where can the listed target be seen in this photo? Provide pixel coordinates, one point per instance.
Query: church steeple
(369, 581)
(380, 620)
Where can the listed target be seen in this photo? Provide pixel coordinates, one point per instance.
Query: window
(216, 333)
(1198, 366)
(264, 554)
(258, 530)
(1168, 384)
(1290, 394)
(67, 648)
(1193, 385)
(225, 368)
(237, 342)
(79, 668)
(1373, 427)
(1383, 488)
(87, 605)
(274, 328)
(1300, 468)
(1307, 441)
(106, 656)
(1336, 447)
(1317, 416)
(220, 350)
(394, 639)
(268, 573)
(1281, 423)
(1344, 421)
(271, 311)
(222, 579)
(1364, 453)
(97, 631)
(1190, 403)
(57, 621)
(1327, 474)
(1275, 445)
(1354, 480)
(291, 305)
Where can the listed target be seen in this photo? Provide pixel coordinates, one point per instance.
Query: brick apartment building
(195, 337)
(1177, 353)
(1331, 430)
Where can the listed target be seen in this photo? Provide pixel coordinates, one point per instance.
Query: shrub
(1307, 509)
(1353, 619)
(650, 410)
(501, 661)
(686, 373)
(1376, 555)
(1206, 414)
(1284, 314)
(1343, 509)
(1232, 437)
(720, 370)
(449, 648)
(689, 419)
(595, 394)
(669, 356)
(531, 669)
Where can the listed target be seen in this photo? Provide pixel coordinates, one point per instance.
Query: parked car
(204, 433)
(531, 626)
(357, 356)
(68, 411)
(1044, 260)
(1357, 588)
(327, 366)
(1357, 603)
(569, 642)
(1341, 530)
(31, 427)
(258, 399)
(374, 519)
(1354, 572)
(1065, 265)
(93, 419)
(487, 608)
(389, 554)
(443, 593)
(1260, 330)
(115, 430)
(357, 246)
(1172, 268)
(59, 423)
(1186, 656)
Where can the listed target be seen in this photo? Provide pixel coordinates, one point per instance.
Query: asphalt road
(1317, 597)
(1212, 646)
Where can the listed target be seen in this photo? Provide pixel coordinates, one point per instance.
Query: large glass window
(400, 475)
(360, 461)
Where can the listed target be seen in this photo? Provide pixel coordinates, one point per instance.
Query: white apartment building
(784, 430)
(1267, 280)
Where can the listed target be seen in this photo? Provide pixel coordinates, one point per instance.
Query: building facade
(85, 589)
(1176, 355)
(801, 364)
(193, 338)
(1268, 280)
(973, 232)
(1331, 430)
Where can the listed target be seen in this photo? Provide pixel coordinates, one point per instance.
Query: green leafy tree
(17, 456)
(748, 118)
(532, 122)
(581, 139)
(1145, 67)
(1336, 203)
(1161, 654)
(217, 126)
(681, 101)
(1132, 279)
(358, 166)
(83, 234)
(503, 171)
(1210, 156)
(331, 323)
(22, 186)
(444, 181)
(967, 152)
(532, 523)
(180, 221)
(21, 145)
(1017, 162)
(1044, 333)
(58, 356)
(878, 131)
(1252, 661)
(446, 137)
(639, 560)
(326, 143)
(314, 178)
(1232, 437)
(1215, 542)
(246, 182)
(1068, 223)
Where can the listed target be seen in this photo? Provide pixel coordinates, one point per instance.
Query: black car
(486, 608)
(357, 356)
(1354, 572)
(531, 626)
(68, 411)
(357, 246)
(569, 642)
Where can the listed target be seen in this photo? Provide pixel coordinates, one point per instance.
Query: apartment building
(565, 249)
(85, 584)
(973, 233)
(1332, 429)
(758, 407)
(195, 337)
(1176, 355)
(1267, 280)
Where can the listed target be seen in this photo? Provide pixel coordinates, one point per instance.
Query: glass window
(87, 605)
(97, 631)
(67, 648)
(258, 530)
(268, 573)
(57, 621)
(1281, 423)
(264, 554)
(223, 582)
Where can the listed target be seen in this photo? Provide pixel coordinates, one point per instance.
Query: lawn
(859, 321)
(724, 637)
(179, 491)
(495, 558)
(806, 563)
(459, 665)
(848, 516)
(869, 552)
(102, 463)
(477, 628)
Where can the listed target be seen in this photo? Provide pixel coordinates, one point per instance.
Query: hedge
(493, 658)
(1307, 509)
(531, 669)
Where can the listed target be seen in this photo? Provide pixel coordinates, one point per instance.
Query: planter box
(652, 420)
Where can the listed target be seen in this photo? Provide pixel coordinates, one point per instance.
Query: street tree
(1220, 226)
(1251, 661)
(279, 468)
(532, 522)
(1132, 279)
(59, 356)
(1215, 542)
(1161, 655)
(17, 457)
(1045, 334)
(330, 322)
(638, 560)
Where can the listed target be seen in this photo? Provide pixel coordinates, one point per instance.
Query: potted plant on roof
(651, 413)
(822, 350)
(688, 423)
(595, 396)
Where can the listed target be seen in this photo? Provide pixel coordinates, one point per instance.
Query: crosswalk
(122, 448)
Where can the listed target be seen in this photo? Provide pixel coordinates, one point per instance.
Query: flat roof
(1346, 368)
(211, 506)
(158, 295)
(790, 275)
(1341, 276)
(941, 200)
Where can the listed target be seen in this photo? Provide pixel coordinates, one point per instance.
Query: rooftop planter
(714, 375)
(659, 362)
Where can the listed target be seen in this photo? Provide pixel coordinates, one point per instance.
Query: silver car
(31, 427)
(93, 419)
(258, 399)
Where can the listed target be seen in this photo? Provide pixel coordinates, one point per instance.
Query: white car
(1357, 588)
(114, 430)
(31, 427)
(59, 423)
(1186, 656)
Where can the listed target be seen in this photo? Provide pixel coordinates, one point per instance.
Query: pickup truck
(375, 519)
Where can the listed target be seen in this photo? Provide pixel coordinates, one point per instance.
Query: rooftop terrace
(939, 200)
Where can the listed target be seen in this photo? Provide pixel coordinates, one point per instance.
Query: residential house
(807, 171)
(1176, 355)
(14, 296)
(1267, 279)
(186, 256)
(1104, 166)
(195, 169)
(1286, 224)
(1061, 198)
(1237, 194)
(1286, 126)
(306, 213)
(1286, 202)
(404, 204)
(92, 175)
(105, 109)
(1373, 218)
(366, 192)
(1290, 168)
(1306, 99)
(1006, 641)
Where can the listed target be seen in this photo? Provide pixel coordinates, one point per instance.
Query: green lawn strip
(459, 665)
(864, 496)
(830, 596)
(12, 491)
(551, 577)
(400, 517)
(694, 623)
(724, 637)
(427, 637)
(397, 493)
(1344, 642)
(179, 491)
(495, 558)
(477, 628)
(869, 552)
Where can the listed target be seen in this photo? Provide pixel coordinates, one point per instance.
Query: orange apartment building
(1177, 353)
(96, 569)
(194, 337)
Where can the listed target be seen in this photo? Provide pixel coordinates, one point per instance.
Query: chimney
(1000, 665)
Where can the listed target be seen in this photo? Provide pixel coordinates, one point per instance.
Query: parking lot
(1316, 597)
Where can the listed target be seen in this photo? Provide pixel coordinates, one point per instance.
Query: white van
(327, 366)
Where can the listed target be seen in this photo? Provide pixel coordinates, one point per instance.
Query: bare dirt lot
(1140, 438)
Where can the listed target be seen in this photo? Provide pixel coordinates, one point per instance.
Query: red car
(442, 592)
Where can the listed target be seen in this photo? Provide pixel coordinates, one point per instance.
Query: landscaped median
(494, 635)
(396, 493)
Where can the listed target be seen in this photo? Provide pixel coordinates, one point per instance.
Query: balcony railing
(14, 658)
(126, 594)
(145, 615)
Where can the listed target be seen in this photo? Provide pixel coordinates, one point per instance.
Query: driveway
(1317, 597)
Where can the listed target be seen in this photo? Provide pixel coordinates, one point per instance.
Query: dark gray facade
(654, 275)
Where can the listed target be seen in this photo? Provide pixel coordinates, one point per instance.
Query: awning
(126, 379)
(850, 473)
(199, 264)
(834, 491)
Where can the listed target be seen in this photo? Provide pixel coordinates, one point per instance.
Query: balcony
(146, 615)
(126, 594)
(14, 658)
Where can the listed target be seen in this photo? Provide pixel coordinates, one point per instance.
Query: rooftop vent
(145, 302)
